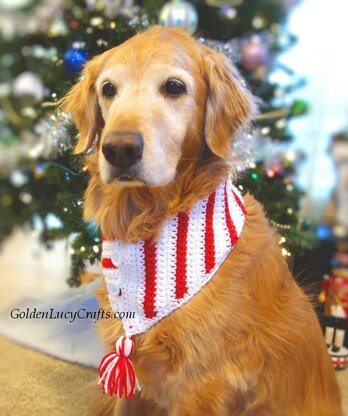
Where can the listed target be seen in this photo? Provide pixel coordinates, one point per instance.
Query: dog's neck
(136, 213)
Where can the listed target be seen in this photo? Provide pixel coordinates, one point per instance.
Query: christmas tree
(45, 45)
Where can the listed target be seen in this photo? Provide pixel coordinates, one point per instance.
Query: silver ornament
(178, 13)
(28, 83)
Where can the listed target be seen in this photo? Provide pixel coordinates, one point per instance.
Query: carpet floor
(36, 384)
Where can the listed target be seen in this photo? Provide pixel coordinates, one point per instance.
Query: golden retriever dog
(249, 342)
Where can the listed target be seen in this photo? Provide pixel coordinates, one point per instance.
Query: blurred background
(291, 54)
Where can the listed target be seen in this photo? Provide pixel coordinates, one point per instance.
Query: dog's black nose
(122, 150)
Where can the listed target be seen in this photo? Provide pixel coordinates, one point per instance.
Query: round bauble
(254, 54)
(28, 83)
(179, 13)
(75, 59)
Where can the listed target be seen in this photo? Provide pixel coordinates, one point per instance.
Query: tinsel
(53, 135)
(245, 149)
(230, 48)
(50, 139)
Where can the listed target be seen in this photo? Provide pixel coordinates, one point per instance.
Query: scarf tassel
(116, 371)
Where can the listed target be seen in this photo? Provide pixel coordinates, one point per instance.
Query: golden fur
(249, 342)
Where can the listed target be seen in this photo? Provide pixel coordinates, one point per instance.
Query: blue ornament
(74, 59)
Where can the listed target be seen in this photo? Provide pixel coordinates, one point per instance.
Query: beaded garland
(154, 279)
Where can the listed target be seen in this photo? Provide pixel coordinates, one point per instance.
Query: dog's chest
(148, 281)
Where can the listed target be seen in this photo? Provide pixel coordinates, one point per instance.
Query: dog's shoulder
(258, 235)
(255, 213)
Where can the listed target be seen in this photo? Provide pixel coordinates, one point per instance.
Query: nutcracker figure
(335, 295)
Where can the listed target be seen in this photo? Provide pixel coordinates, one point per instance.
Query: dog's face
(147, 100)
(153, 101)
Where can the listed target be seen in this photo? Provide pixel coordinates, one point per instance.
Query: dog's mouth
(126, 178)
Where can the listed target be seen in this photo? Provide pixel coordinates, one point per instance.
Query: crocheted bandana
(154, 279)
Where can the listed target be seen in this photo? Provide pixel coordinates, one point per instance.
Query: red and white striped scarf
(154, 279)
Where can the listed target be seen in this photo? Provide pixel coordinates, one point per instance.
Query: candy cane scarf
(154, 279)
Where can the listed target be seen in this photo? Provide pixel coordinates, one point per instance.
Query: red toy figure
(335, 295)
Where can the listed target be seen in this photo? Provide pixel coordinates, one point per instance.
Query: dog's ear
(229, 104)
(82, 102)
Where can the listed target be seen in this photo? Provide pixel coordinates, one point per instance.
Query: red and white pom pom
(116, 371)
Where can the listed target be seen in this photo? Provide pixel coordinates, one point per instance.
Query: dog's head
(155, 101)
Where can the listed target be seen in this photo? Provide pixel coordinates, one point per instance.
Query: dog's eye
(174, 87)
(109, 90)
